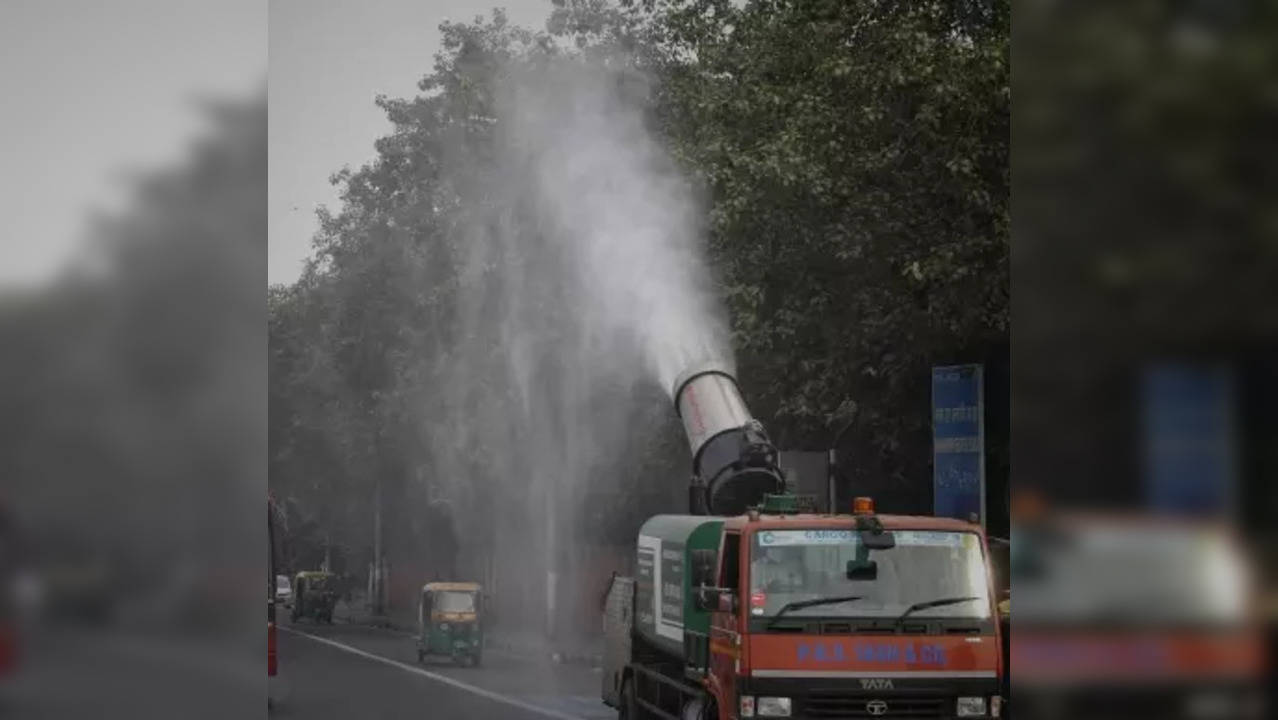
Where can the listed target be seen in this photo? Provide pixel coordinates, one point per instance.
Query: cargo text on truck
(754, 605)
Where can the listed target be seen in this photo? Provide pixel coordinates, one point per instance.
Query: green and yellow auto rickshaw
(449, 623)
(314, 595)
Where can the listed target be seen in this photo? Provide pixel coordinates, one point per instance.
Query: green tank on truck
(668, 547)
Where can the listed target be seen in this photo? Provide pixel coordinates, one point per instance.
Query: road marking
(498, 697)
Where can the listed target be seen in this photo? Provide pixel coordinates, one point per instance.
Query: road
(111, 674)
(339, 672)
(345, 671)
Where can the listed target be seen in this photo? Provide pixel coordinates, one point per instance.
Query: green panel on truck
(663, 594)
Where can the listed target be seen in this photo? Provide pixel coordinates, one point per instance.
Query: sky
(328, 60)
(93, 93)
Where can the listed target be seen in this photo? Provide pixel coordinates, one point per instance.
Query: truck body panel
(906, 656)
(664, 608)
(618, 625)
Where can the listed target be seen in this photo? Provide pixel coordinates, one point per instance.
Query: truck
(1161, 618)
(755, 605)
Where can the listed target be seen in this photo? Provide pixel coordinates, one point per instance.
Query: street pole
(551, 575)
(830, 463)
(832, 466)
(378, 565)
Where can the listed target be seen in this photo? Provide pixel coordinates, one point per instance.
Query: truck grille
(863, 705)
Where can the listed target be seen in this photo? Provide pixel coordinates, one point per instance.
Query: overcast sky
(92, 92)
(328, 60)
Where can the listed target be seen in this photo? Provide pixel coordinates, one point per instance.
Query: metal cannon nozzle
(732, 458)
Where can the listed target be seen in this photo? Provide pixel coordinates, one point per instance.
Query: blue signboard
(958, 442)
(1188, 439)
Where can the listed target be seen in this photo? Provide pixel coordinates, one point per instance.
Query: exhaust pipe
(733, 463)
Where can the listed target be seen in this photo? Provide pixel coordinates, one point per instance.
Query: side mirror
(715, 599)
(705, 598)
(704, 563)
(727, 601)
(862, 570)
(877, 540)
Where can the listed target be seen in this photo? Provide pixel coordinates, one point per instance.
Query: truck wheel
(628, 709)
(421, 656)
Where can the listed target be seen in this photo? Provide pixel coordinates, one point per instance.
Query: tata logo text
(874, 653)
(876, 683)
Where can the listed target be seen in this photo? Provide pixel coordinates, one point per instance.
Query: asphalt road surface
(110, 674)
(340, 672)
(346, 671)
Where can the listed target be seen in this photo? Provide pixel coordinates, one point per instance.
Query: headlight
(971, 707)
(747, 706)
(772, 707)
(443, 626)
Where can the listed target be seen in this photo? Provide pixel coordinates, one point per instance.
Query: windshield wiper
(800, 604)
(933, 603)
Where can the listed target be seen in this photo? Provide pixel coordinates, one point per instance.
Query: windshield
(1088, 574)
(789, 566)
(451, 601)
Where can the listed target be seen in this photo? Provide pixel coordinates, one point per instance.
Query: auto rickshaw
(448, 622)
(314, 595)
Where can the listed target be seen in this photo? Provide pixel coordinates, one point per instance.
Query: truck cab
(826, 622)
(1123, 615)
(805, 615)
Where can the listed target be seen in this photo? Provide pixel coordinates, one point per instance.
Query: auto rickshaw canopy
(432, 587)
(312, 580)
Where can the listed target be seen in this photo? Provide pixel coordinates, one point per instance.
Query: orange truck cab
(809, 616)
(1124, 615)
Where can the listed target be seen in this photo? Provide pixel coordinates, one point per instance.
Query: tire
(421, 656)
(627, 708)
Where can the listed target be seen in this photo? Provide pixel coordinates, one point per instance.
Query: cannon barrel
(734, 464)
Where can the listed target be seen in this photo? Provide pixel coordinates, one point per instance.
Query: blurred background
(132, 358)
(1143, 382)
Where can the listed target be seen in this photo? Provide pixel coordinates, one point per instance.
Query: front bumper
(822, 698)
(1202, 700)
